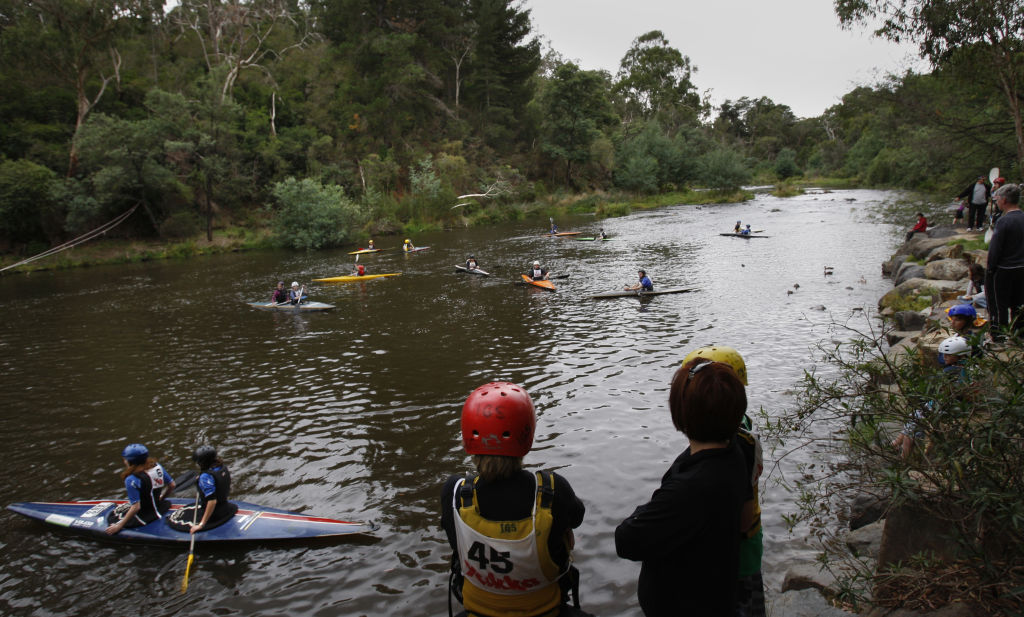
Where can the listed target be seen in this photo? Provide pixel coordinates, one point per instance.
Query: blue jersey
(158, 478)
(646, 283)
(207, 485)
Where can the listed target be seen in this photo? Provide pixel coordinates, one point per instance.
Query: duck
(828, 270)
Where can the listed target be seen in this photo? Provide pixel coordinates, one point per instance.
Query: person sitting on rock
(920, 227)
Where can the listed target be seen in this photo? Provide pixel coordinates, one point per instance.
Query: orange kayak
(548, 285)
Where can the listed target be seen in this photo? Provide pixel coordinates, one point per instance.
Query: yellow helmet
(721, 353)
(408, 241)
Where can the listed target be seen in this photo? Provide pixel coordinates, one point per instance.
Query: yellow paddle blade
(188, 566)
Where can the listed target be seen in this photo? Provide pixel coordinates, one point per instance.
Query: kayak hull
(365, 251)
(591, 239)
(744, 236)
(252, 523)
(354, 278)
(634, 293)
(563, 234)
(295, 308)
(473, 271)
(416, 250)
(546, 285)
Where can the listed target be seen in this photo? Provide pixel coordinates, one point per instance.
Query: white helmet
(536, 264)
(295, 283)
(954, 345)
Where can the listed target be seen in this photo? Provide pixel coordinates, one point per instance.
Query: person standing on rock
(977, 199)
(1004, 276)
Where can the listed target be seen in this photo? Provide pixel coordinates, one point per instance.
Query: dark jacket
(687, 535)
(969, 193)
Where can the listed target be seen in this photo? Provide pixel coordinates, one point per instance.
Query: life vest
(751, 543)
(506, 566)
(537, 274)
(224, 509)
(149, 494)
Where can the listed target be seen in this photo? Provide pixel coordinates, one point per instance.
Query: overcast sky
(792, 51)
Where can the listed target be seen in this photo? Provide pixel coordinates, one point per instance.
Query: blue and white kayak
(295, 308)
(252, 523)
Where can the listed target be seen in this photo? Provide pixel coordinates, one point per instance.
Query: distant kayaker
(746, 231)
(280, 295)
(644, 283)
(510, 529)
(408, 246)
(471, 263)
(214, 486)
(537, 273)
(736, 229)
(147, 483)
(370, 246)
(602, 235)
(921, 226)
(360, 270)
(554, 228)
(297, 295)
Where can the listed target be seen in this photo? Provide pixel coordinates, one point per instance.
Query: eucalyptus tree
(654, 80)
(951, 30)
(76, 43)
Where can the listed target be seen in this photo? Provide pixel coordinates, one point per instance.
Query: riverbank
(228, 238)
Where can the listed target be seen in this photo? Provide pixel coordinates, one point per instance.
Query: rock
(866, 508)
(818, 307)
(893, 265)
(803, 603)
(908, 287)
(946, 269)
(919, 246)
(908, 271)
(950, 251)
(910, 530)
(865, 541)
(909, 320)
(887, 312)
(942, 232)
(894, 336)
(976, 256)
(808, 576)
(952, 610)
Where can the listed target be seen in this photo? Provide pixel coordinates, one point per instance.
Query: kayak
(305, 306)
(591, 239)
(548, 285)
(473, 271)
(351, 278)
(252, 523)
(744, 236)
(365, 251)
(417, 249)
(563, 233)
(634, 293)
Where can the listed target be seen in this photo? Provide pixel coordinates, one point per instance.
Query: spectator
(1004, 276)
(920, 227)
(977, 199)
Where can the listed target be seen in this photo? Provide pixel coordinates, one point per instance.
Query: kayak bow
(547, 285)
(471, 271)
(353, 278)
(303, 307)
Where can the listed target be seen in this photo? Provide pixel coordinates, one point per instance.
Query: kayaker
(554, 228)
(644, 284)
(370, 246)
(408, 246)
(686, 535)
(471, 263)
(297, 295)
(746, 231)
(602, 235)
(750, 587)
(280, 295)
(360, 270)
(537, 273)
(736, 229)
(214, 487)
(510, 530)
(147, 483)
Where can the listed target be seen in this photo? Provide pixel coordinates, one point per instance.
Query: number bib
(500, 559)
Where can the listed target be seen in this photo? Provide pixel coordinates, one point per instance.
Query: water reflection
(353, 413)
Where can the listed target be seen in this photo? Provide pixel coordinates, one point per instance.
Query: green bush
(180, 225)
(964, 474)
(309, 215)
(26, 201)
(785, 164)
(724, 169)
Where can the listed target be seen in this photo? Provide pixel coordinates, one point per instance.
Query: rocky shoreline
(929, 269)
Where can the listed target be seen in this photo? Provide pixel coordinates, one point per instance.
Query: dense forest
(329, 119)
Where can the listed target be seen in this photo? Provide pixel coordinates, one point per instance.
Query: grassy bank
(235, 238)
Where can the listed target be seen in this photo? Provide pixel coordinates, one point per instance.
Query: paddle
(191, 547)
(992, 175)
(558, 276)
(185, 480)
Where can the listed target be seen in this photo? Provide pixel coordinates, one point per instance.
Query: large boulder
(865, 541)
(976, 256)
(892, 266)
(809, 576)
(911, 320)
(913, 287)
(950, 251)
(803, 603)
(942, 232)
(909, 270)
(920, 246)
(946, 269)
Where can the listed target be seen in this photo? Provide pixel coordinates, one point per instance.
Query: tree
(947, 29)
(576, 107)
(654, 80)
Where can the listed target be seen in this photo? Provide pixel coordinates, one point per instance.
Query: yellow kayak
(353, 278)
(365, 251)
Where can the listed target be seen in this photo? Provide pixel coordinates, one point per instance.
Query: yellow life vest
(506, 566)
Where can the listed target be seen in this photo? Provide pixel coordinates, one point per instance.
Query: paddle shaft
(191, 547)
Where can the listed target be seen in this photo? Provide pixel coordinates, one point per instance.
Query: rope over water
(102, 229)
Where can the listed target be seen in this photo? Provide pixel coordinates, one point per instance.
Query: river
(354, 413)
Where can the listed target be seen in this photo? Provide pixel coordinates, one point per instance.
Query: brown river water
(354, 413)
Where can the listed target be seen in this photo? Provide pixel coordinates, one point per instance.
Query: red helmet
(498, 419)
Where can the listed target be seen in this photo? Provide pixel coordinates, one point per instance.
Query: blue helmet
(135, 453)
(963, 310)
